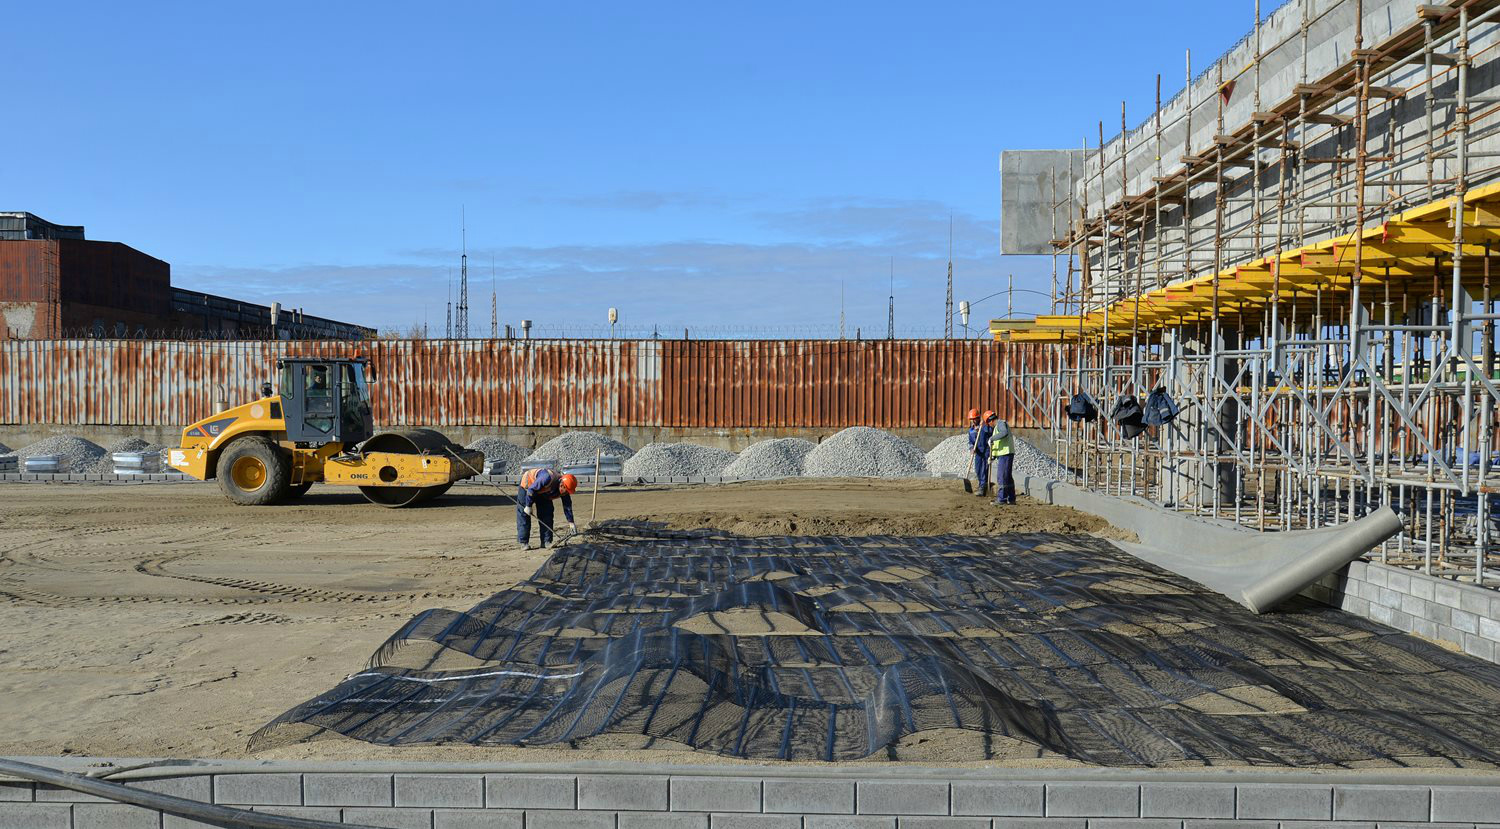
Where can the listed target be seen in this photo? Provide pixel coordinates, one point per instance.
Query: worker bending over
(539, 487)
(979, 447)
(1000, 450)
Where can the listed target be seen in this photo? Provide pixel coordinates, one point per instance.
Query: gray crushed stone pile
(74, 453)
(863, 452)
(776, 458)
(1034, 463)
(576, 448)
(669, 460)
(506, 456)
(952, 457)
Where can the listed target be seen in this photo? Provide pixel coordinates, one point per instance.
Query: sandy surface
(163, 621)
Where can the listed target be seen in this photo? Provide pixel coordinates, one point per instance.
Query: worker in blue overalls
(1004, 454)
(538, 489)
(979, 448)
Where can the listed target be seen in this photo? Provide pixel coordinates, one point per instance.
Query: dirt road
(162, 621)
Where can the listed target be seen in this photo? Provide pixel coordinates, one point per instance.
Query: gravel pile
(74, 454)
(667, 460)
(778, 458)
(952, 457)
(505, 455)
(1033, 462)
(862, 452)
(573, 448)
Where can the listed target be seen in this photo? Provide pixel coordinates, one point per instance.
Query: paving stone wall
(756, 799)
(1443, 610)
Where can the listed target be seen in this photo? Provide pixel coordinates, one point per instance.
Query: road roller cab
(319, 428)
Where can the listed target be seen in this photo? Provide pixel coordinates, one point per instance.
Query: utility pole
(890, 323)
(948, 306)
(461, 324)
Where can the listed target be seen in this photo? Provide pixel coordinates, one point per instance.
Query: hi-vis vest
(999, 446)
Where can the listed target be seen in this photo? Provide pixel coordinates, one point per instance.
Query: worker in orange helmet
(538, 489)
(979, 447)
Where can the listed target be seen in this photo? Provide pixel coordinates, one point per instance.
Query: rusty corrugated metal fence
(669, 383)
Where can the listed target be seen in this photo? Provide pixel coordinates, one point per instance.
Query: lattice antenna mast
(948, 306)
(841, 309)
(448, 318)
(461, 324)
(494, 306)
(890, 322)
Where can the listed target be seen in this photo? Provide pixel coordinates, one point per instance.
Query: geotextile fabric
(830, 648)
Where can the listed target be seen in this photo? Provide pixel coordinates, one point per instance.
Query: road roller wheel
(393, 496)
(430, 492)
(253, 471)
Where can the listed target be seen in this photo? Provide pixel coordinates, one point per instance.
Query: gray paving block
(199, 787)
(1093, 800)
(1445, 592)
(35, 815)
(1040, 823)
(1424, 587)
(1382, 803)
(258, 789)
(1424, 627)
(998, 798)
(943, 823)
(1275, 801)
(477, 819)
(1489, 628)
(1327, 824)
(45, 793)
(390, 818)
(530, 791)
(715, 794)
(347, 790)
(465, 791)
(1385, 825)
(1413, 606)
(1134, 823)
(901, 797)
(752, 822)
(1465, 621)
(1474, 600)
(569, 820)
(1465, 803)
(115, 816)
(1376, 574)
(658, 820)
(809, 796)
(1184, 800)
(15, 792)
(328, 813)
(1398, 580)
(175, 822)
(1479, 647)
(1355, 605)
(623, 792)
(849, 822)
(1210, 823)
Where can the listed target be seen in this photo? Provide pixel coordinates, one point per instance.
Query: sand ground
(164, 621)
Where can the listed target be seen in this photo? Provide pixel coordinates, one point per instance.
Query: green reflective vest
(999, 446)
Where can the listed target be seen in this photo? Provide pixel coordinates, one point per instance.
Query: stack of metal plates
(136, 463)
(8, 463)
(44, 464)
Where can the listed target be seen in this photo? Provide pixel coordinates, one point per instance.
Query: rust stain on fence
(580, 383)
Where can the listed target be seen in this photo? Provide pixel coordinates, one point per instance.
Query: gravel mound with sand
(863, 452)
(666, 460)
(505, 455)
(572, 448)
(777, 458)
(74, 453)
(951, 457)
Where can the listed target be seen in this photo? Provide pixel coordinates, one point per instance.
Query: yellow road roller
(318, 429)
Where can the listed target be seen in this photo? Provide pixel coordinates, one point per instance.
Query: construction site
(1224, 557)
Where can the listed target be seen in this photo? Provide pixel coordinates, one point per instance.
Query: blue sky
(703, 164)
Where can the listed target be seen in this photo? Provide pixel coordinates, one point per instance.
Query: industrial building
(54, 283)
(1298, 249)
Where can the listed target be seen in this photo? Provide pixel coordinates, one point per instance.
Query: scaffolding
(1312, 287)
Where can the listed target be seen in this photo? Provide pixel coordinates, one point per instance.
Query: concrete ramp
(1257, 570)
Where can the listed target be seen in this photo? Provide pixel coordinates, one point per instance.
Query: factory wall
(650, 385)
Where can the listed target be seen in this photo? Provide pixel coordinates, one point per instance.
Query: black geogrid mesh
(1059, 641)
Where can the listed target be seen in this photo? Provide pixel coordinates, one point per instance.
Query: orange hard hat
(988, 416)
(569, 484)
(973, 414)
